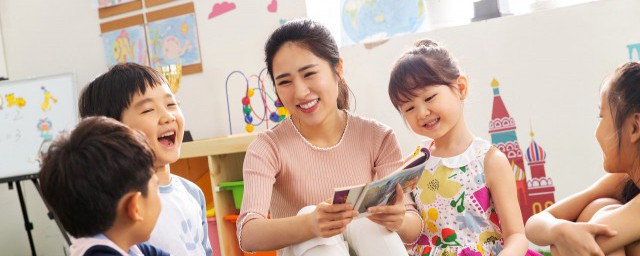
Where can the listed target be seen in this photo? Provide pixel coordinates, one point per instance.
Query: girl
(603, 218)
(468, 183)
(292, 169)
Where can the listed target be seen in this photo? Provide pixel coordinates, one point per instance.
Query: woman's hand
(331, 219)
(390, 216)
(578, 238)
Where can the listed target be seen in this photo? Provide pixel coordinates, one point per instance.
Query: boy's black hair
(85, 174)
(111, 93)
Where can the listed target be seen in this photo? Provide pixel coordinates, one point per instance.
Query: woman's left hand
(390, 216)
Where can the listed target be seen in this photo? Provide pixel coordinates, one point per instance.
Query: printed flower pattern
(437, 184)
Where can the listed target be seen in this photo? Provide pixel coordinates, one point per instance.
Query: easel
(28, 226)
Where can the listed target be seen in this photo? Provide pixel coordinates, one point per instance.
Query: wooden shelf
(224, 157)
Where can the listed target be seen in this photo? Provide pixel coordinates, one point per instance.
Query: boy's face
(152, 206)
(158, 116)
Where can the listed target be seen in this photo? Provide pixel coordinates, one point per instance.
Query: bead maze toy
(251, 117)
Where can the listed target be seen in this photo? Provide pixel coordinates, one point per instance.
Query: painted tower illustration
(540, 186)
(503, 136)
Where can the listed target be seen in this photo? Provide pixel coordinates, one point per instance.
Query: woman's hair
(426, 64)
(624, 101)
(314, 37)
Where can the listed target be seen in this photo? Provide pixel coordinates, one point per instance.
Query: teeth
(432, 123)
(167, 134)
(309, 105)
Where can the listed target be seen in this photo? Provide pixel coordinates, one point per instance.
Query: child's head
(101, 176)
(618, 131)
(139, 97)
(427, 88)
(305, 66)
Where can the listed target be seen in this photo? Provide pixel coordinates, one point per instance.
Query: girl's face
(306, 84)
(606, 133)
(436, 109)
(612, 146)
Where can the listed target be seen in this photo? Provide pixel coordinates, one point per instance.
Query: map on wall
(369, 20)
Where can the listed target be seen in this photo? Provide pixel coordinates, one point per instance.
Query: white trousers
(362, 237)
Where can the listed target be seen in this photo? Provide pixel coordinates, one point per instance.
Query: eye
(309, 74)
(173, 104)
(428, 99)
(147, 111)
(408, 109)
(284, 82)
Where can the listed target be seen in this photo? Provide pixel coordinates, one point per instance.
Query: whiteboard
(32, 112)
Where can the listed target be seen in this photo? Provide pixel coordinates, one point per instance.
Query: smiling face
(159, 117)
(434, 111)
(306, 84)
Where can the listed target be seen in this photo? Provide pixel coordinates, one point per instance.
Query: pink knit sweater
(283, 172)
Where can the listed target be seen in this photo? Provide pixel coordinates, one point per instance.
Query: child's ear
(463, 86)
(134, 200)
(635, 127)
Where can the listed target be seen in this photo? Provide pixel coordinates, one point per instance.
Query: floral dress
(458, 213)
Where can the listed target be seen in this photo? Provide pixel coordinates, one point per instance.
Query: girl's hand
(390, 216)
(579, 238)
(331, 219)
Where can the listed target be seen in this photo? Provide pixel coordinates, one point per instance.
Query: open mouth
(309, 106)
(168, 138)
(432, 123)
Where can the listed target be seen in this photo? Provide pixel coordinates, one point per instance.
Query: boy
(139, 97)
(100, 183)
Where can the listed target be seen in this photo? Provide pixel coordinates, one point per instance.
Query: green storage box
(237, 189)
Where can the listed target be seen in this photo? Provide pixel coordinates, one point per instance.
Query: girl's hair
(624, 101)
(425, 65)
(314, 37)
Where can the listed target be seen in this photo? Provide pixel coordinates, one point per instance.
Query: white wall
(50, 37)
(550, 65)
(3, 63)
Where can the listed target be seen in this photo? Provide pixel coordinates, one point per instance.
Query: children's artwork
(273, 6)
(174, 40)
(537, 193)
(38, 121)
(634, 52)
(252, 117)
(48, 99)
(126, 45)
(221, 8)
(124, 40)
(109, 3)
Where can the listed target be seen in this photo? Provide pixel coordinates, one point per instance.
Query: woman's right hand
(578, 238)
(331, 219)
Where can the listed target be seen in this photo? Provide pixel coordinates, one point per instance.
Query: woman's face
(306, 84)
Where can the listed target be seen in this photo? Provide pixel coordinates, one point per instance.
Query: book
(383, 191)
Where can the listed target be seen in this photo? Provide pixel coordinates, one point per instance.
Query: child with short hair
(139, 97)
(100, 183)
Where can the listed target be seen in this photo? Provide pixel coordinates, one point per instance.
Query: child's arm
(622, 219)
(205, 225)
(555, 225)
(501, 183)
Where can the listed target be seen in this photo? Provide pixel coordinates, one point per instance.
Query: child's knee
(594, 207)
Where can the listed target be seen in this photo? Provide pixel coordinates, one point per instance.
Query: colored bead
(249, 128)
(246, 109)
(246, 101)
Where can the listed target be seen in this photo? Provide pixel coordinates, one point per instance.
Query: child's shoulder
(191, 187)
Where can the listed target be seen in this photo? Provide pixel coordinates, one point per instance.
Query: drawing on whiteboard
(13, 101)
(46, 105)
(44, 126)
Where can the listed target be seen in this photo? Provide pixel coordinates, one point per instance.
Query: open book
(383, 191)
